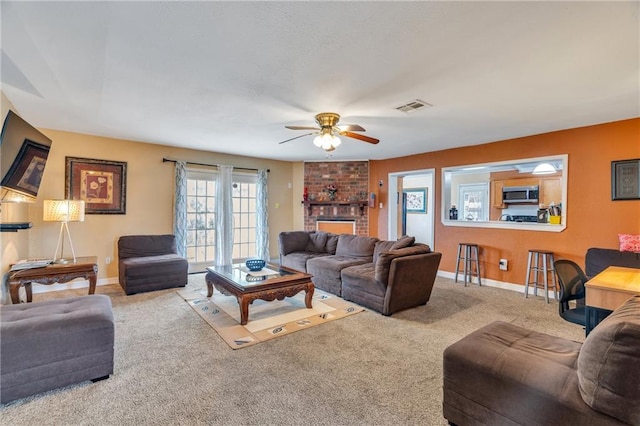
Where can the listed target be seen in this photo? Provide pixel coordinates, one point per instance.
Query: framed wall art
(25, 173)
(625, 180)
(416, 200)
(102, 184)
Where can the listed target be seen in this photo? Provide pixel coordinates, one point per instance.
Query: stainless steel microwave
(520, 194)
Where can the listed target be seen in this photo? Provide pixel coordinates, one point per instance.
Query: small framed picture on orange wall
(625, 180)
(102, 184)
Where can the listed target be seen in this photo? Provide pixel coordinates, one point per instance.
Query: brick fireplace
(351, 179)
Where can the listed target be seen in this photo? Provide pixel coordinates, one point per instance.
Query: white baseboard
(40, 288)
(519, 288)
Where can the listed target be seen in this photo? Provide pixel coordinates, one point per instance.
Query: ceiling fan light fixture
(328, 142)
(326, 134)
(544, 169)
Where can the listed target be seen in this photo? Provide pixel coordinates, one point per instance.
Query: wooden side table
(607, 291)
(83, 267)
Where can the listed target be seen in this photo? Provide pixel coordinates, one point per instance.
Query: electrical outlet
(107, 260)
(504, 264)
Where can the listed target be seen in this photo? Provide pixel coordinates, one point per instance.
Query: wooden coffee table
(83, 267)
(273, 282)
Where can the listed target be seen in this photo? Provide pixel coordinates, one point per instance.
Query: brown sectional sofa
(386, 276)
(502, 374)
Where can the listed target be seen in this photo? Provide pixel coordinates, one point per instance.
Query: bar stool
(470, 257)
(534, 266)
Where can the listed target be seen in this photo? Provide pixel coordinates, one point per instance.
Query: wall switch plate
(504, 264)
(107, 260)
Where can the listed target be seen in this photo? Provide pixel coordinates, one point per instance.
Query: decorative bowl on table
(255, 264)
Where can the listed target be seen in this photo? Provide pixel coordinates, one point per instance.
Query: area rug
(267, 320)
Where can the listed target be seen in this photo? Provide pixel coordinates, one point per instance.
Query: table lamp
(63, 211)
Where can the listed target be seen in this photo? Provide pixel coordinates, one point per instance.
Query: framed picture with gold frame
(102, 184)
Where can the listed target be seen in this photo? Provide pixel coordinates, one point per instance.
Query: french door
(201, 218)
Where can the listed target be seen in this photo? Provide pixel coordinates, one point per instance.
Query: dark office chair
(571, 280)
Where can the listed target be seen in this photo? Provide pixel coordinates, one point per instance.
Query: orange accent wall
(593, 220)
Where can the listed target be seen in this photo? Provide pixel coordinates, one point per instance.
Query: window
(474, 200)
(201, 217)
(244, 217)
(496, 175)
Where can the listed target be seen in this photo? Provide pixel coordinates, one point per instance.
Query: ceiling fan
(326, 134)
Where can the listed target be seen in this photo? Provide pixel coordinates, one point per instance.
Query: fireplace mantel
(311, 204)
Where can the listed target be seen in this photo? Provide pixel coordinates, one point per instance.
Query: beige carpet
(171, 368)
(267, 320)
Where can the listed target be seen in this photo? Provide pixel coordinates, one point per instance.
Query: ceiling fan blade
(350, 128)
(297, 137)
(302, 128)
(360, 137)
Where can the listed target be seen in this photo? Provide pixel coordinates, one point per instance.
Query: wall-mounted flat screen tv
(23, 157)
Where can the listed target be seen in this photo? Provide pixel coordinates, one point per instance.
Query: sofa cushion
(609, 364)
(383, 265)
(291, 241)
(332, 243)
(629, 242)
(362, 278)
(330, 266)
(356, 246)
(403, 242)
(317, 242)
(381, 246)
(298, 259)
(146, 245)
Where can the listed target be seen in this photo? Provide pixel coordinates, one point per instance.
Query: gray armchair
(150, 262)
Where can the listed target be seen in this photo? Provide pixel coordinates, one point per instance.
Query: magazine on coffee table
(30, 264)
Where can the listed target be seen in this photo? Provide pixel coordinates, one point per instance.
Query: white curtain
(262, 217)
(224, 216)
(180, 208)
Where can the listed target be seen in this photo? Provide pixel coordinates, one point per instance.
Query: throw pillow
(608, 364)
(403, 242)
(383, 265)
(356, 246)
(381, 247)
(317, 242)
(629, 242)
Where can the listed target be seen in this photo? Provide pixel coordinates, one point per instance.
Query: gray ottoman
(48, 345)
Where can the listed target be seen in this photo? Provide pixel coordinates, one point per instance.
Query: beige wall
(149, 201)
(298, 190)
(15, 245)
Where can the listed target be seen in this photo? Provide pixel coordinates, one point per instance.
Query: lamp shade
(63, 211)
(10, 196)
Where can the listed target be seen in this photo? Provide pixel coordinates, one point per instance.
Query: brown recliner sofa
(150, 262)
(502, 374)
(385, 276)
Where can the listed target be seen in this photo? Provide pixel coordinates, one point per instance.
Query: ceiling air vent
(414, 105)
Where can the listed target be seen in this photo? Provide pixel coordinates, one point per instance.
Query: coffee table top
(240, 276)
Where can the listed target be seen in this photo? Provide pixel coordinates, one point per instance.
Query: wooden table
(608, 290)
(83, 267)
(236, 280)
